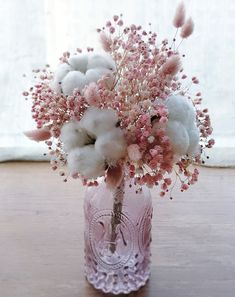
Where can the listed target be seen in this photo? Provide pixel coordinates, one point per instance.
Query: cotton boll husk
(98, 121)
(73, 80)
(180, 109)
(178, 136)
(194, 147)
(73, 135)
(86, 161)
(60, 73)
(111, 145)
(101, 61)
(79, 62)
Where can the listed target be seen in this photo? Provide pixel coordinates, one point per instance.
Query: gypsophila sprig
(126, 110)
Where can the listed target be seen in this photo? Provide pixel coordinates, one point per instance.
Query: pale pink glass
(119, 265)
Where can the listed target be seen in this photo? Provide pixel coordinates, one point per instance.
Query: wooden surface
(41, 237)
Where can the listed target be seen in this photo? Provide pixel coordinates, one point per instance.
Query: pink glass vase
(117, 237)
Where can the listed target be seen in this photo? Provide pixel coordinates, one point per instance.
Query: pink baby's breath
(134, 152)
(144, 76)
(91, 94)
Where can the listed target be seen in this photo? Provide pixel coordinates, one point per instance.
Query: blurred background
(34, 33)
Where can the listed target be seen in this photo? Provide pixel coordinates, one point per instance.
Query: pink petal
(114, 177)
(39, 134)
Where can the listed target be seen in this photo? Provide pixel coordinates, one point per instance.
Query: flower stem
(116, 214)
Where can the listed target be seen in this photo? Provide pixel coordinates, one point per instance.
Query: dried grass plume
(179, 17)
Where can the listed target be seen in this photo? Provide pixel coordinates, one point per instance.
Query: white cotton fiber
(73, 80)
(61, 72)
(194, 147)
(81, 70)
(101, 61)
(178, 135)
(111, 145)
(181, 127)
(79, 62)
(93, 75)
(86, 161)
(180, 109)
(98, 121)
(93, 142)
(73, 135)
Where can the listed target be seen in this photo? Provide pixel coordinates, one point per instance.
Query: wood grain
(41, 236)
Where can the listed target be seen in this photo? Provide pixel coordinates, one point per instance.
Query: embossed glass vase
(117, 237)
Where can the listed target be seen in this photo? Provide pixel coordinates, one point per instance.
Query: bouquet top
(127, 111)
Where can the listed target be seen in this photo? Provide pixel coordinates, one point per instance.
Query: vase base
(110, 285)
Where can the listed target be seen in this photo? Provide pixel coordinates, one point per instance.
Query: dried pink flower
(91, 94)
(143, 77)
(39, 134)
(114, 176)
(172, 66)
(106, 42)
(134, 153)
(179, 17)
(187, 28)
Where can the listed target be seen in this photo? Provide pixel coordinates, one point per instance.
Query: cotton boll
(86, 161)
(111, 145)
(61, 72)
(72, 135)
(101, 61)
(194, 147)
(98, 121)
(93, 75)
(181, 126)
(81, 70)
(79, 62)
(73, 80)
(178, 136)
(180, 109)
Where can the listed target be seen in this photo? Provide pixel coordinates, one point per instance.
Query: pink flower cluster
(147, 72)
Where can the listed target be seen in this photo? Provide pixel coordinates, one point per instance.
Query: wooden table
(41, 237)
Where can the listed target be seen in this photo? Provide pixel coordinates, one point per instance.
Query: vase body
(117, 239)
